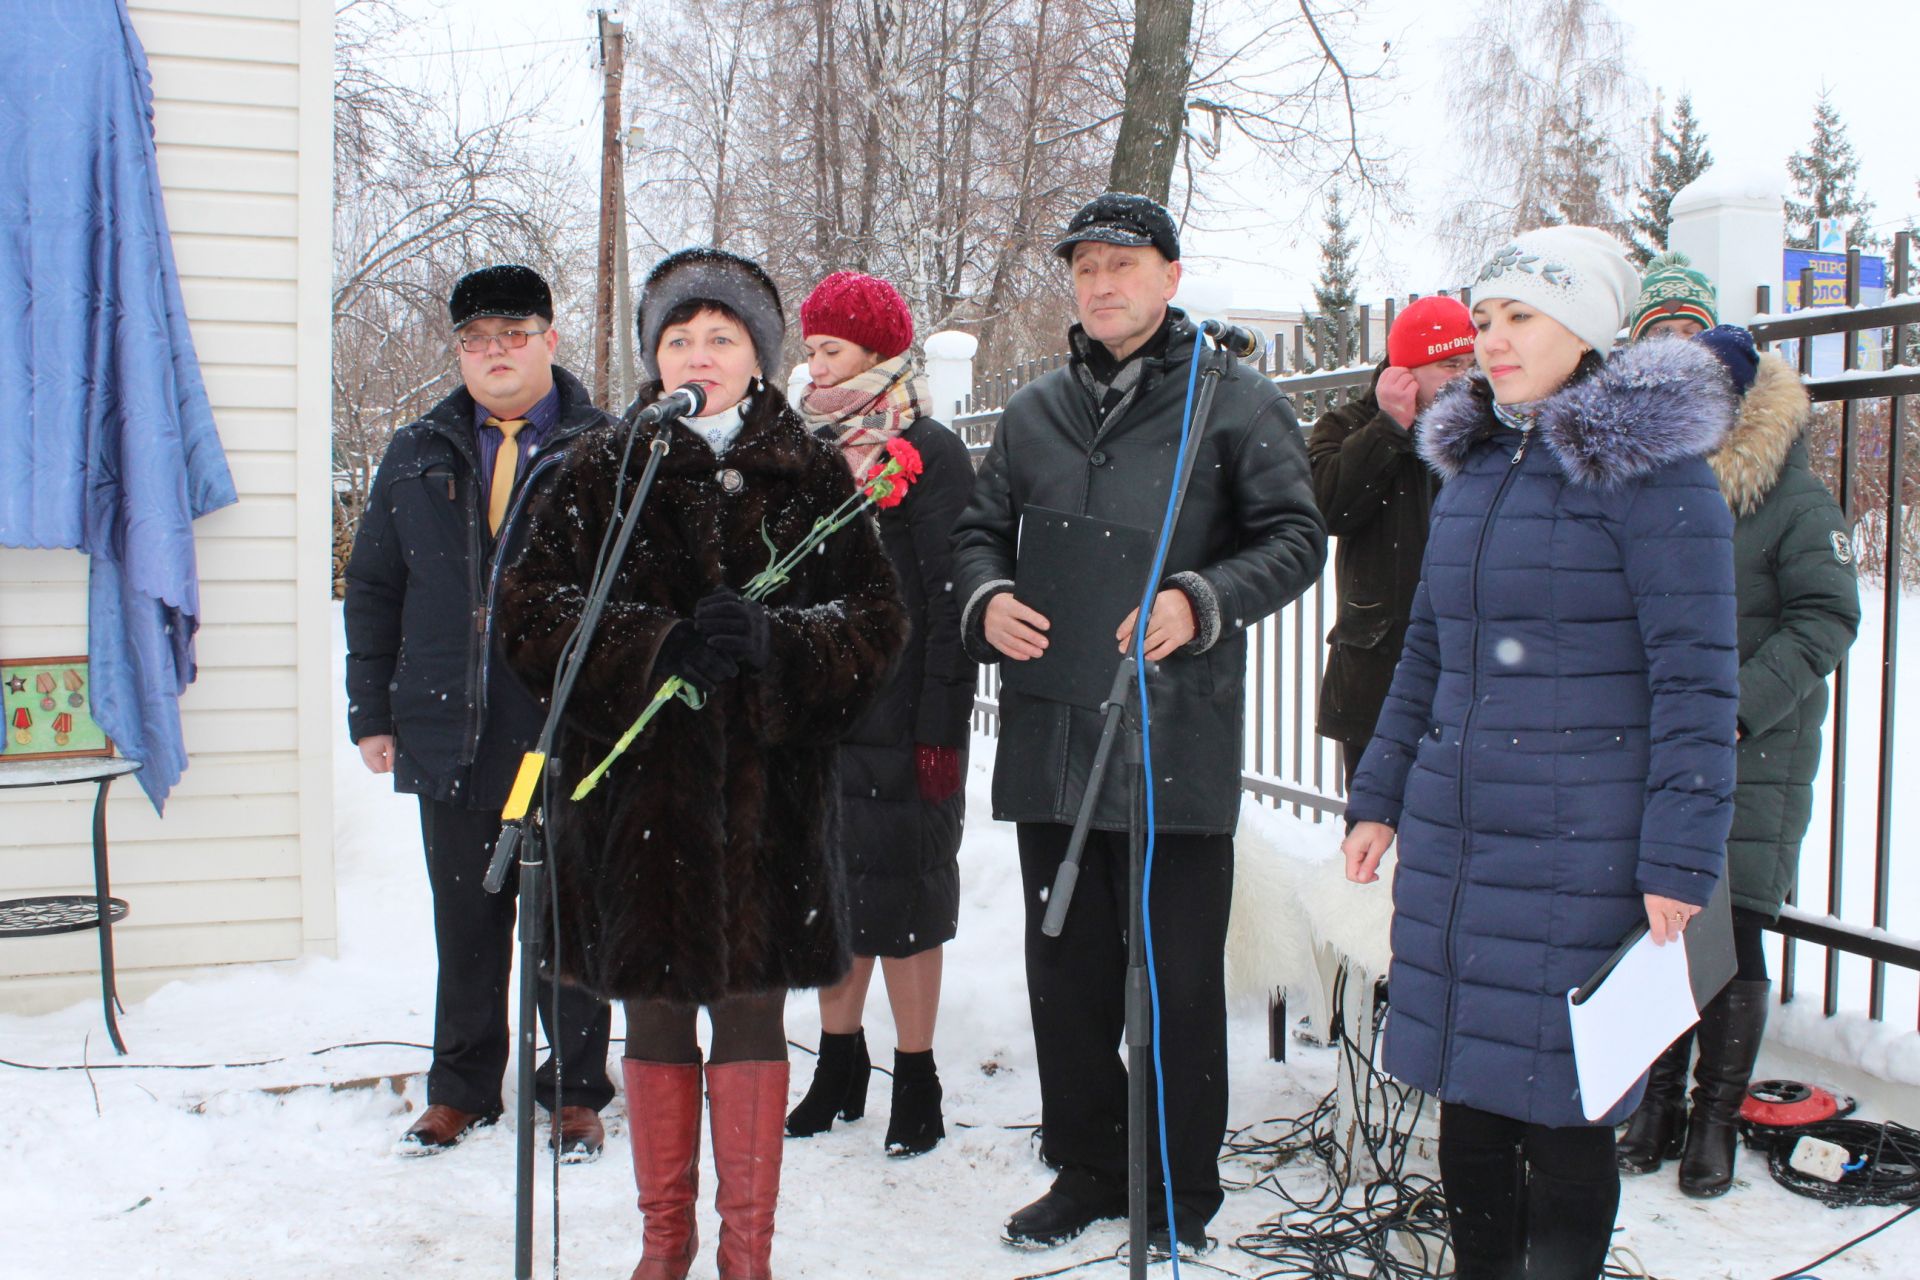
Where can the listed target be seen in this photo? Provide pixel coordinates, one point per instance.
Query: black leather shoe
(1194, 1243)
(1056, 1218)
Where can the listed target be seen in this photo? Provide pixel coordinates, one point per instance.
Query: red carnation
(887, 483)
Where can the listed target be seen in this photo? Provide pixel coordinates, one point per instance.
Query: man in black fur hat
(432, 703)
(1098, 438)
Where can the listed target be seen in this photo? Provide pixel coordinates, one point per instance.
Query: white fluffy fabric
(1291, 899)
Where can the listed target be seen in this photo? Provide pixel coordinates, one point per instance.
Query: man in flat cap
(432, 703)
(1099, 437)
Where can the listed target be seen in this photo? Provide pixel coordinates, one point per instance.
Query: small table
(70, 913)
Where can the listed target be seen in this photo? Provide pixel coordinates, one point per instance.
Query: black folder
(1709, 943)
(1084, 575)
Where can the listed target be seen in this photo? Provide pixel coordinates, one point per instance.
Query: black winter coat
(1799, 609)
(901, 853)
(1377, 497)
(1250, 540)
(421, 583)
(701, 866)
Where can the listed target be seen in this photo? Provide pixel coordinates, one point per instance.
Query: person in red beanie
(1376, 495)
(902, 765)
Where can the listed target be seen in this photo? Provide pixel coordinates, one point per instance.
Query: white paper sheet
(1641, 1008)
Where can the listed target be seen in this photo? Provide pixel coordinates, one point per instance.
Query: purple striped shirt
(540, 423)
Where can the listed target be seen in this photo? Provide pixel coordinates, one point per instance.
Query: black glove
(685, 653)
(735, 626)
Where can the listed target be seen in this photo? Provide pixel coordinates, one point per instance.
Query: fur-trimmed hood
(1652, 403)
(1774, 413)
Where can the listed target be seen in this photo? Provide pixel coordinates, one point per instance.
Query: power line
(484, 48)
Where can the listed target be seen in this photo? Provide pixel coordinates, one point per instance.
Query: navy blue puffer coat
(1559, 738)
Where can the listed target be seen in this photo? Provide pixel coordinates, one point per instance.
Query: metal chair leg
(109, 986)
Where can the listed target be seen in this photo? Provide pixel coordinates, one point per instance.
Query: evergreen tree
(1824, 177)
(1579, 159)
(1333, 334)
(1679, 156)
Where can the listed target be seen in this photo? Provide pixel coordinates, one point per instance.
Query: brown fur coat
(699, 867)
(1774, 414)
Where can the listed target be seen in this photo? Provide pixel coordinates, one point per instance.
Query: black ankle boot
(839, 1085)
(916, 1127)
(1730, 1031)
(1659, 1125)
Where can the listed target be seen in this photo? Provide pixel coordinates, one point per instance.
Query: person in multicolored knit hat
(1675, 299)
(1799, 610)
(901, 766)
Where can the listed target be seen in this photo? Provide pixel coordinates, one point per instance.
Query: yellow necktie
(506, 463)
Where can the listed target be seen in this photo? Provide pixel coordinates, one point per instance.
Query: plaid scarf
(867, 410)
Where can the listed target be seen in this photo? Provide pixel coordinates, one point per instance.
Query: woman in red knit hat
(902, 766)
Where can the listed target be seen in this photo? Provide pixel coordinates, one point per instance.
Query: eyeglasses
(510, 340)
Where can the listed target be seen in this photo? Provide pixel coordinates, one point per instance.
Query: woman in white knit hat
(1556, 753)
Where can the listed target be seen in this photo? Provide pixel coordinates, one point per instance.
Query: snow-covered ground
(285, 1169)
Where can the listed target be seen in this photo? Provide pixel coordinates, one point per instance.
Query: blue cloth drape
(107, 440)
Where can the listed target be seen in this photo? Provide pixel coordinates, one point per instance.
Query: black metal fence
(1862, 443)
(1864, 448)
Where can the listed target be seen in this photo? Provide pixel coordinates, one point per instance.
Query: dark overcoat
(422, 659)
(1559, 737)
(699, 867)
(901, 853)
(1799, 610)
(1377, 497)
(1249, 541)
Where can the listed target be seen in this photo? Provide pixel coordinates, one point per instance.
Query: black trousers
(1525, 1201)
(473, 935)
(1076, 988)
(1350, 753)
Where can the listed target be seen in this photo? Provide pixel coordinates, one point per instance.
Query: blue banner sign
(1829, 276)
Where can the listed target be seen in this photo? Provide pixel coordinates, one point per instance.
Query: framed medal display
(49, 710)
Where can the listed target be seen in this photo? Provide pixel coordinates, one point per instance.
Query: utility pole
(613, 36)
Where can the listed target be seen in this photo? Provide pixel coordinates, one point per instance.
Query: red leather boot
(749, 1103)
(663, 1122)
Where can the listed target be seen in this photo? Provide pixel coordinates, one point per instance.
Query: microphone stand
(532, 851)
(1120, 710)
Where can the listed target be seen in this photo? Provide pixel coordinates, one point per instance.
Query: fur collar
(1774, 413)
(1653, 403)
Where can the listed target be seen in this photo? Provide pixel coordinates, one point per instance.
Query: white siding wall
(241, 868)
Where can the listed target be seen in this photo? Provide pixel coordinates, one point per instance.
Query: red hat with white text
(1429, 330)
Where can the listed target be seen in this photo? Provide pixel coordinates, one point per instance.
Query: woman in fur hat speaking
(697, 871)
(1556, 752)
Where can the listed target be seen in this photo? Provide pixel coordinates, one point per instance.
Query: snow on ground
(148, 1172)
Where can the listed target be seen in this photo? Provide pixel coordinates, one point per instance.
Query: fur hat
(509, 291)
(1127, 220)
(712, 275)
(858, 308)
(1672, 288)
(1580, 276)
(1430, 330)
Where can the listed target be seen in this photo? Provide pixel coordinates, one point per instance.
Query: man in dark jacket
(1098, 438)
(1377, 496)
(432, 703)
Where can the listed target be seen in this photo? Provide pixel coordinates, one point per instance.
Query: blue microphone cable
(1146, 766)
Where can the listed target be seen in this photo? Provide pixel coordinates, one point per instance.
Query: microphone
(682, 402)
(1246, 344)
